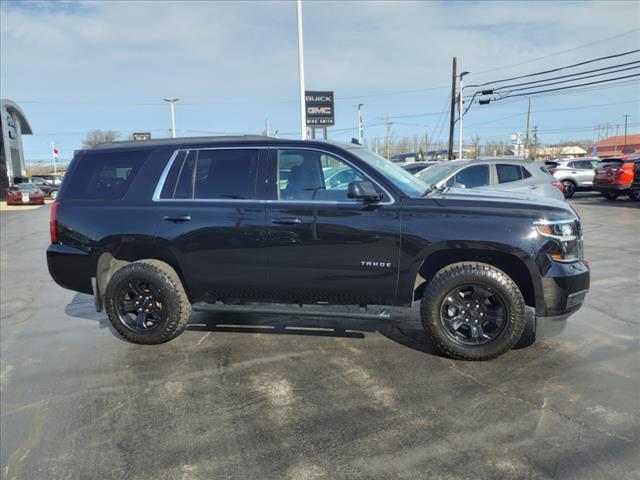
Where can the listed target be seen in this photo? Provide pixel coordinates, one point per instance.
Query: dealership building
(14, 125)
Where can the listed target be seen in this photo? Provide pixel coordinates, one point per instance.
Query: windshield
(433, 175)
(402, 179)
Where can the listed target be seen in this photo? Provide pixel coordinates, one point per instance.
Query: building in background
(614, 146)
(14, 125)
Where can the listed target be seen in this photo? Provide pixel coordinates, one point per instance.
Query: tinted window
(225, 174)
(311, 175)
(525, 173)
(168, 189)
(583, 164)
(471, 177)
(104, 175)
(508, 173)
(184, 186)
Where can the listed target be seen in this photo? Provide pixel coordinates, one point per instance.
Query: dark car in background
(635, 186)
(615, 176)
(50, 190)
(25, 194)
(415, 167)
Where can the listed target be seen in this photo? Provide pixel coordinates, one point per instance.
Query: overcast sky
(77, 66)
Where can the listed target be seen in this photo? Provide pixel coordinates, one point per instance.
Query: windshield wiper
(430, 188)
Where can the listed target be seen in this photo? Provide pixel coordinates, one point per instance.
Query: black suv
(150, 228)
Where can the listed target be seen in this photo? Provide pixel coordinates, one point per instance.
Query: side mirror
(364, 190)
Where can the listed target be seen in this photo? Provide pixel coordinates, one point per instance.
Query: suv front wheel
(146, 302)
(473, 311)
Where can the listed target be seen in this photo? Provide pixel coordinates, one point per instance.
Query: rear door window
(218, 174)
(104, 175)
(508, 173)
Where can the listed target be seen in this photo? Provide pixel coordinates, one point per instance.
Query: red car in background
(25, 194)
(615, 176)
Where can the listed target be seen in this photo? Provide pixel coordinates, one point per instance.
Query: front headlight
(566, 236)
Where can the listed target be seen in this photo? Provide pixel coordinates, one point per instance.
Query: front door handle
(177, 218)
(533, 187)
(287, 221)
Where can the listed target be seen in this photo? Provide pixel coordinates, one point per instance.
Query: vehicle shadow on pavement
(404, 327)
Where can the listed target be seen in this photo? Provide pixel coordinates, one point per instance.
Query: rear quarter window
(104, 175)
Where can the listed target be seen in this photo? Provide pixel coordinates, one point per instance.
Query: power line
(567, 81)
(630, 52)
(565, 76)
(568, 87)
(602, 40)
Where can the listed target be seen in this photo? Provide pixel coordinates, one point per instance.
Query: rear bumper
(606, 188)
(72, 267)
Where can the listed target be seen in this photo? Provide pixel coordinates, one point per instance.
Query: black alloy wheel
(473, 314)
(139, 305)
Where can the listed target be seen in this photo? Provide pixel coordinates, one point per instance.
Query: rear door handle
(177, 218)
(286, 221)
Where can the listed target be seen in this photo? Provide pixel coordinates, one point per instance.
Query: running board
(293, 310)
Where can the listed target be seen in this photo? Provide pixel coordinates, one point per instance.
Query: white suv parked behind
(576, 174)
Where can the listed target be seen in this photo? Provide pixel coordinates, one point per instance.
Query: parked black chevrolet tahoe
(149, 228)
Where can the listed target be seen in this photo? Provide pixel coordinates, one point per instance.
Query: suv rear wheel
(473, 311)
(568, 188)
(146, 302)
(634, 195)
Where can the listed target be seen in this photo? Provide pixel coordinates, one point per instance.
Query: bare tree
(475, 141)
(96, 137)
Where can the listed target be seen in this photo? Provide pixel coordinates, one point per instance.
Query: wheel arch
(109, 262)
(513, 265)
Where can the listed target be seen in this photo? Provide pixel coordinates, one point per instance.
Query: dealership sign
(141, 136)
(319, 109)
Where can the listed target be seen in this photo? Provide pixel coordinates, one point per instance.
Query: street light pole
(171, 101)
(303, 117)
(460, 114)
(360, 124)
(626, 117)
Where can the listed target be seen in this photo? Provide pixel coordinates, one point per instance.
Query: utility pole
(388, 124)
(172, 101)
(526, 135)
(360, 124)
(452, 119)
(626, 117)
(460, 114)
(303, 116)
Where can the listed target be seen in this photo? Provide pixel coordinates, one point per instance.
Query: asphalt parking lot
(242, 396)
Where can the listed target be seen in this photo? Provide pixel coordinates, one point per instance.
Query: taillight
(552, 170)
(53, 222)
(558, 185)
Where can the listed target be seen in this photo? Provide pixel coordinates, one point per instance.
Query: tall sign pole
(360, 124)
(54, 157)
(303, 122)
(452, 120)
(626, 117)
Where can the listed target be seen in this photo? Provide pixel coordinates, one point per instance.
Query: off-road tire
(462, 273)
(176, 305)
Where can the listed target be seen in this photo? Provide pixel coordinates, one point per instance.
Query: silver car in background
(576, 174)
(499, 173)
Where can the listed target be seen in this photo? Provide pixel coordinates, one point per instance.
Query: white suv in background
(576, 174)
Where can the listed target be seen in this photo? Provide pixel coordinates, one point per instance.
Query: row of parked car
(612, 177)
(34, 191)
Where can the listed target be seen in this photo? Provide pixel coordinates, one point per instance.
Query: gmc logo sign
(320, 111)
(319, 108)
